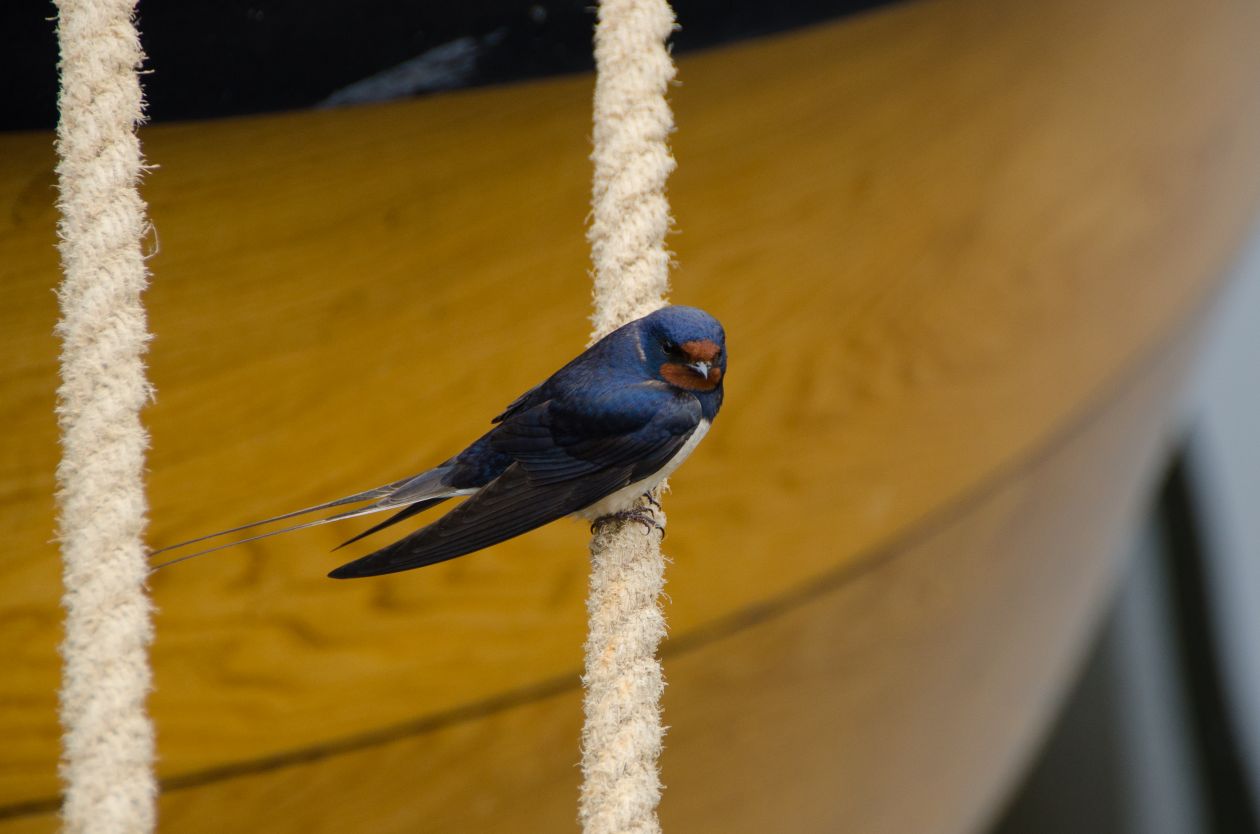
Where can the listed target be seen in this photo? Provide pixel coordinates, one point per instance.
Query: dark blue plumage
(592, 438)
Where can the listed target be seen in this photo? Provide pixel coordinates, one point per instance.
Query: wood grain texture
(937, 235)
(895, 695)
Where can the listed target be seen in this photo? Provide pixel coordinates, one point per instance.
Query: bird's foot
(644, 517)
(651, 499)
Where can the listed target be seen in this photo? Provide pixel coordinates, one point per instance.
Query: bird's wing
(565, 460)
(521, 403)
(416, 493)
(402, 515)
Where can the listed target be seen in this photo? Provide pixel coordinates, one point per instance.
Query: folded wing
(564, 461)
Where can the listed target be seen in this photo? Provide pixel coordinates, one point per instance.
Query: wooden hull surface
(961, 249)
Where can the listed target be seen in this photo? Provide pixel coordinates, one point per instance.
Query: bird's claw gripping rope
(642, 516)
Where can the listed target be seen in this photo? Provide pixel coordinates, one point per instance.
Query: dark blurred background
(233, 57)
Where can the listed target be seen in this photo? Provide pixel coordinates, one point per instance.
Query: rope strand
(107, 757)
(621, 740)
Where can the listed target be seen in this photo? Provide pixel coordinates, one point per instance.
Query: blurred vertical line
(1229, 805)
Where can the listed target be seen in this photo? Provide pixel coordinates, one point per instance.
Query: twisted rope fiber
(621, 739)
(107, 756)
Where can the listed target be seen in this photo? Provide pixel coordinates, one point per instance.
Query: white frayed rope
(107, 758)
(621, 740)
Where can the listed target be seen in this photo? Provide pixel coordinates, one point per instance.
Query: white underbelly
(625, 498)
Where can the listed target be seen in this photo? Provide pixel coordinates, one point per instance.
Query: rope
(621, 740)
(108, 742)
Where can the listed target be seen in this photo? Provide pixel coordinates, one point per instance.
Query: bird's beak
(701, 368)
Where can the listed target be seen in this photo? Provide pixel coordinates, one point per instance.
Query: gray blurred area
(1161, 733)
(1225, 459)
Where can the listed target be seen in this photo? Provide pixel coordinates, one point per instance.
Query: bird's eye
(669, 346)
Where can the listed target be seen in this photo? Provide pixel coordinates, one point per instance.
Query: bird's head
(684, 347)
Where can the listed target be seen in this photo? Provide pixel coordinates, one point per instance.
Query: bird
(589, 441)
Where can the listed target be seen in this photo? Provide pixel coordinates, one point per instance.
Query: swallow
(589, 441)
